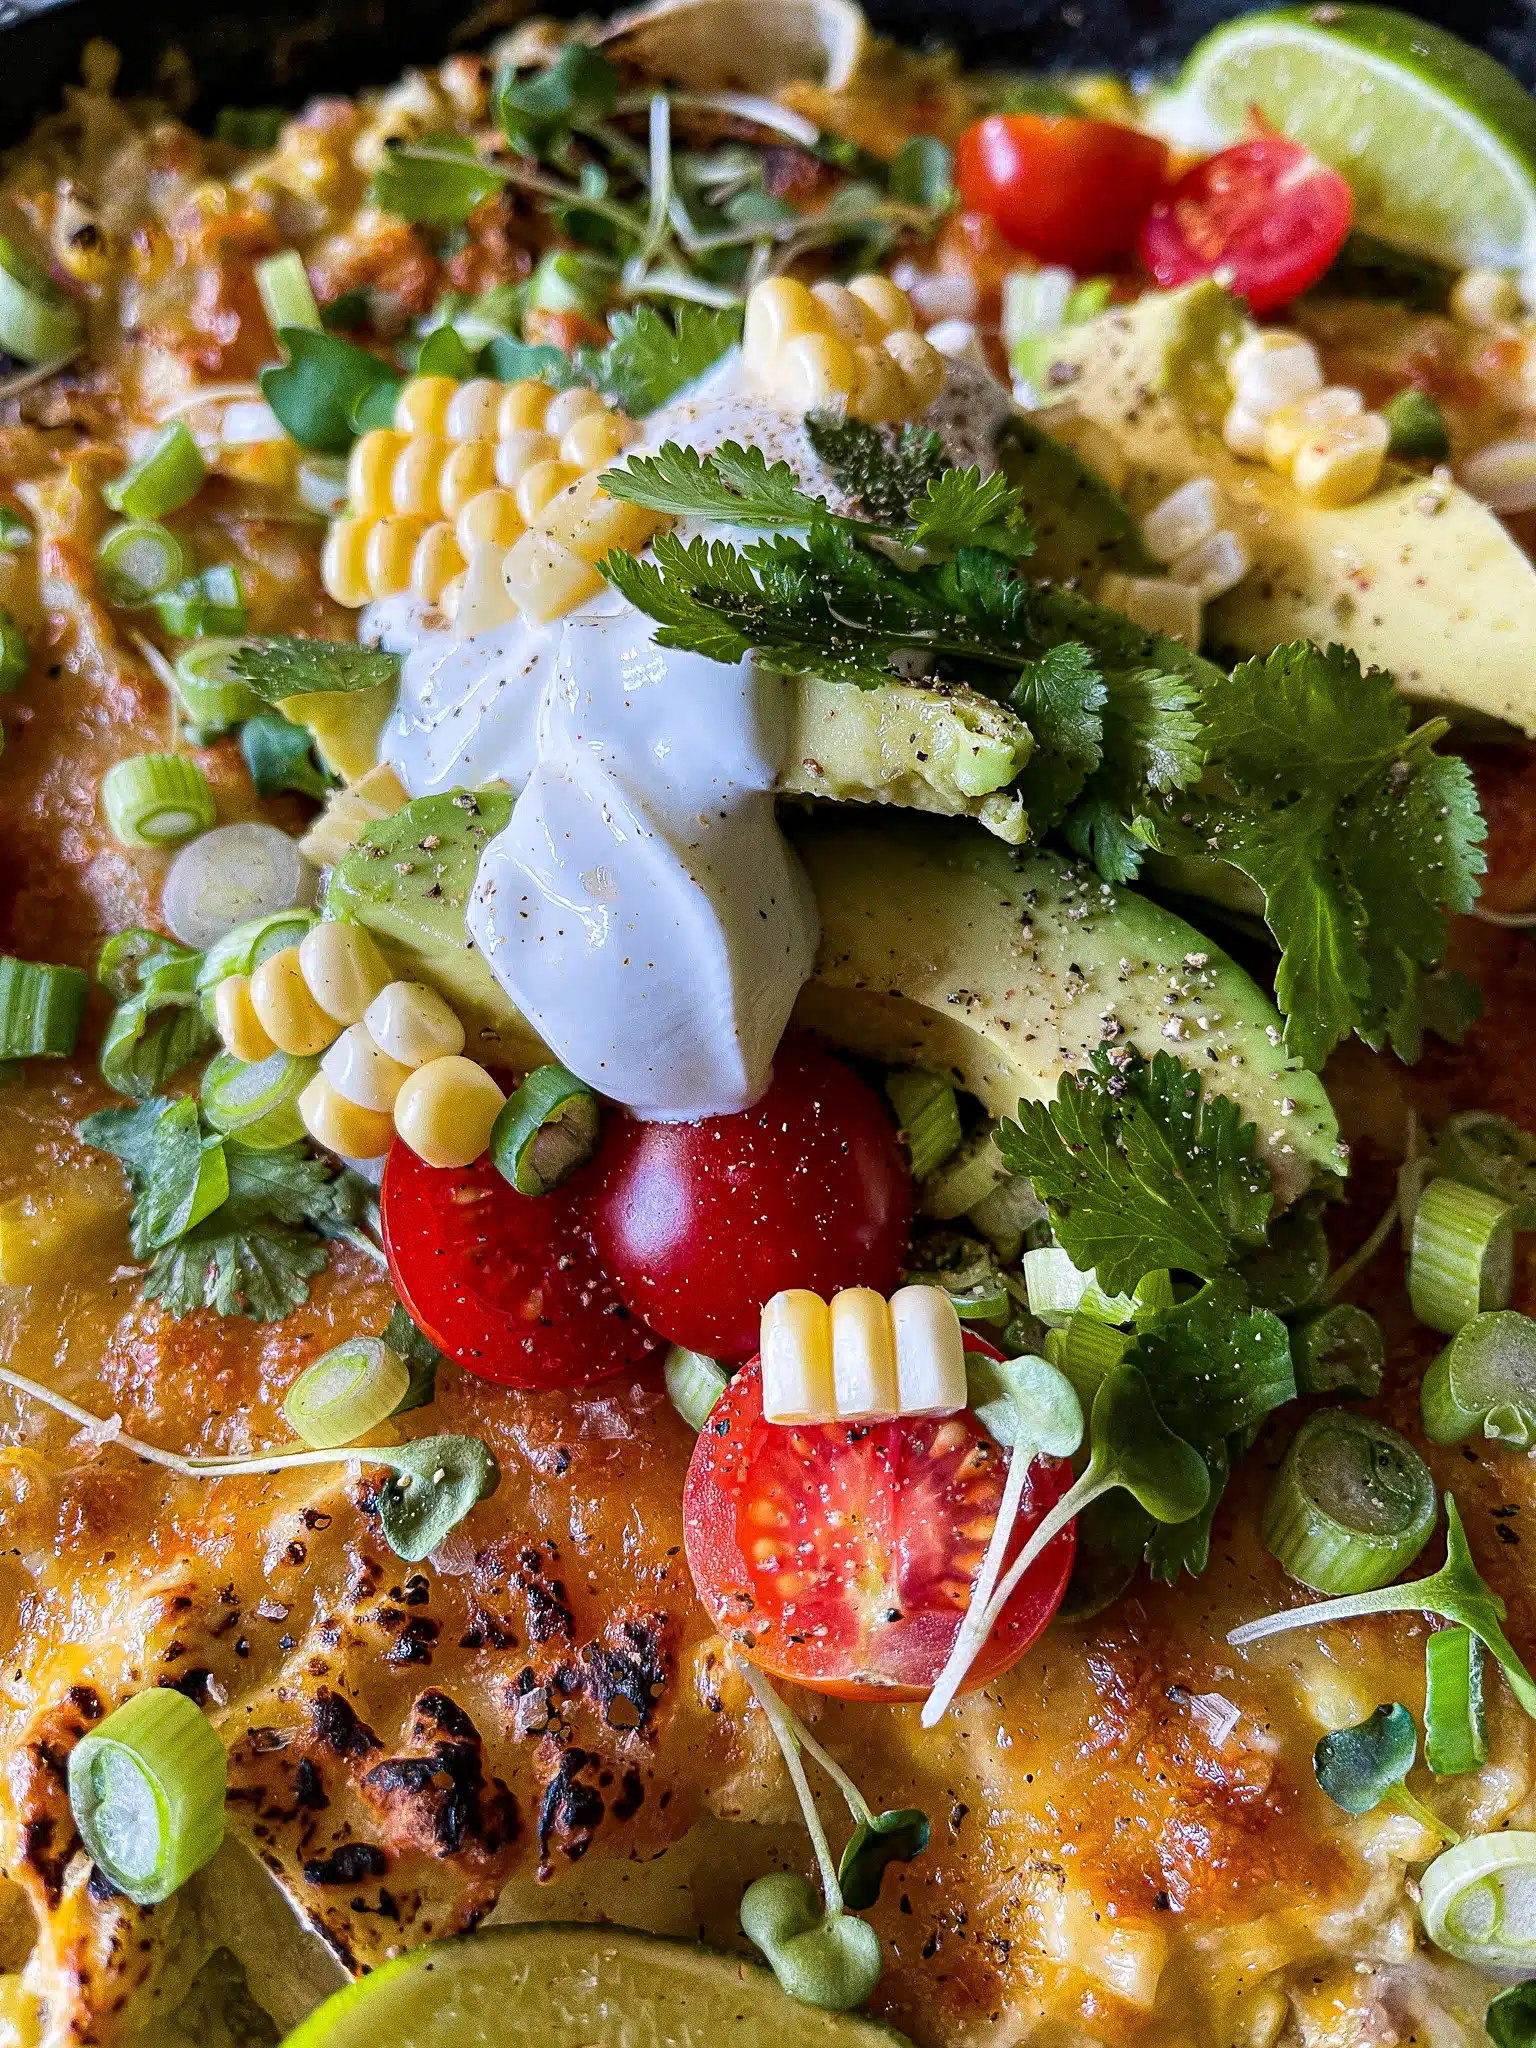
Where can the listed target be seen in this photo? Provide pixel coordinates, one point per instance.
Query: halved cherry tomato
(841, 1555)
(507, 1284)
(699, 1223)
(1066, 190)
(1265, 214)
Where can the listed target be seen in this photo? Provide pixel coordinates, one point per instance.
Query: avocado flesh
(1418, 578)
(940, 948)
(1081, 527)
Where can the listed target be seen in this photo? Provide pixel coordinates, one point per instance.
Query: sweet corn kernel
(344, 561)
(545, 579)
(378, 794)
(920, 364)
(1213, 566)
(1154, 604)
(445, 1111)
(1182, 520)
(1285, 430)
(518, 452)
(491, 517)
(343, 1126)
(234, 1014)
(595, 439)
(886, 303)
(778, 309)
(473, 409)
(413, 483)
(814, 370)
(523, 404)
(796, 1346)
(389, 553)
(1266, 377)
(288, 1013)
(343, 970)
(567, 407)
(360, 1072)
(469, 469)
(1243, 432)
(436, 562)
(370, 470)
(422, 407)
(930, 1352)
(846, 316)
(1341, 462)
(540, 483)
(590, 523)
(413, 1024)
(863, 1355)
(1484, 298)
(880, 393)
(483, 602)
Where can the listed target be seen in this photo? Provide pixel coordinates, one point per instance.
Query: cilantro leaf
(538, 108)
(1362, 1766)
(158, 1025)
(278, 756)
(259, 1268)
(734, 484)
(512, 361)
(1140, 1169)
(420, 1354)
(178, 1175)
(316, 392)
(649, 359)
(1152, 743)
(1441, 1000)
(962, 509)
(883, 473)
(436, 183)
(289, 665)
(1061, 698)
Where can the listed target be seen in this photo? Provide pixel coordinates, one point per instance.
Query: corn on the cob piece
(852, 346)
(861, 1358)
(1283, 414)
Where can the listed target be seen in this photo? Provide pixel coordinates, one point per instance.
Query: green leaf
(882, 472)
(158, 1026)
(316, 390)
(178, 1176)
(538, 108)
(826, 1958)
(885, 1838)
(735, 484)
(1441, 1000)
(436, 183)
(1357, 1767)
(514, 361)
(1152, 744)
(278, 757)
(375, 406)
(444, 354)
(649, 359)
(1141, 1169)
(261, 1269)
(1024, 1402)
(1511, 2017)
(436, 1481)
(290, 665)
(961, 509)
(1135, 1449)
(421, 1355)
(1061, 698)
(923, 173)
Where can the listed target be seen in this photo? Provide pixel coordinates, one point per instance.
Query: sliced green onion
(1338, 1350)
(168, 475)
(1484, 1383)
(346, 1392)
(1462, 1259)
(37, 322)
(40, 1009)
(965, 1179)
(322, 485)
(1455, 1721)
(1416, 426)
(15, 654)
(156, 800)
(1005, 1215)
(1478, 1901)
(242, 950)
(1351, 1507)
(694, 1384)
(929, 1116)
(229, 876)
(14, 530)
(1088, 1351)
(546, 1129)
(1057, 1290)
(286, 296)
(1485, 1151)
(209, 603)
(146, 1787)
(1511, 2017)
(257, 1101)
(137, 560)
(964, 1269)
(571, 281)
(209, 694)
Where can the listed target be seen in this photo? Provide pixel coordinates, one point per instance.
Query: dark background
(250, 53)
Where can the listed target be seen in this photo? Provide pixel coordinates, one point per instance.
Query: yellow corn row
(853, 346)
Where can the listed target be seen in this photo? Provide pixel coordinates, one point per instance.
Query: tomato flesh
(1265, 214)
(841, 1556)
(507, 1284)
(700, 1223)
(1065, 189)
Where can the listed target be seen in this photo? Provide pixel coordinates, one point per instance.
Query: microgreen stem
(971, 1632)
(780, 1721)
(743, 106)
(1405, 1802)
(1358, 1260)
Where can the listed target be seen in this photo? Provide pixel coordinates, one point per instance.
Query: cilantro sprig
(291, 665)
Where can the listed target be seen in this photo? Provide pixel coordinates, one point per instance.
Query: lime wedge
(552, 1986)
(1437, 140)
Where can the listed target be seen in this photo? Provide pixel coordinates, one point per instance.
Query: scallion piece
(1462, 1258)
(1058, 1290)
(1351, 1507)
(1485, 1151)
(1338, 1350)
(286, 296)
(242, 950)
(929, 1116)
(15, 654)
(40, 1009)
(1005, 1215)
(1417, 426)
(208, 603)
(230, 876)
(965, 1179)
(257, 1101)
(346, 1392)
(146, 1787)
(1455, 1721)
(547, 1128)
(15, 533)
(168, 475)
(156, 800)
(1478, 1901)
(1088, 1351)
(1484, 1383)
(209, 695)
(37, 322)
(571, 281)
(694, 1384)
(137, 560)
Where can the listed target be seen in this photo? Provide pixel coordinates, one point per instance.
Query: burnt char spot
(86, 1701)
(439, 1801)
(570, 1808)
(193, 1684)
(352, 1863)
(99, 1888)
(631, 1797)
(338, 1729)
(487, 1631)
(44, 1853)
(308, 1789)
(415, 1642)
(435, 1712)
(628, 1674)
(549, 1618)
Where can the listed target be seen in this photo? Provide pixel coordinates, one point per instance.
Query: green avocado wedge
(549, 1985)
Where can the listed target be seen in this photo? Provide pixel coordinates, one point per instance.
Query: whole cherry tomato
(1066, 190)
(699, 1223)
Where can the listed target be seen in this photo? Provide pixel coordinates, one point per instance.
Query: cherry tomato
(507, 1284)
(841, 1555)
(699, 1223)
(1066, 190)
(1265, 214)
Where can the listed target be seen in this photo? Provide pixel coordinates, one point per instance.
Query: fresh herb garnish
(436, 183)
(923, 173)
(1363, 1767)
(316, 392)
(158, 1026)
(289, 665)
(875, 1844)
(649, 358)
(420, 1354)
(279, 756)
(883, 473)
(539, 109)
(1511, 2017)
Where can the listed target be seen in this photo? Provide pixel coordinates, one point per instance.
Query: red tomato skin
(700, 1223)
(507, 1284)
(1265, 210)
(802, 1646)
(1064, 189)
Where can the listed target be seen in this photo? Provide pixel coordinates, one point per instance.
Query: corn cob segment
(850, 347)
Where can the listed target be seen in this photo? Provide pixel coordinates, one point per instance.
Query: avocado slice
(1418, 578)
(1081, 527)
